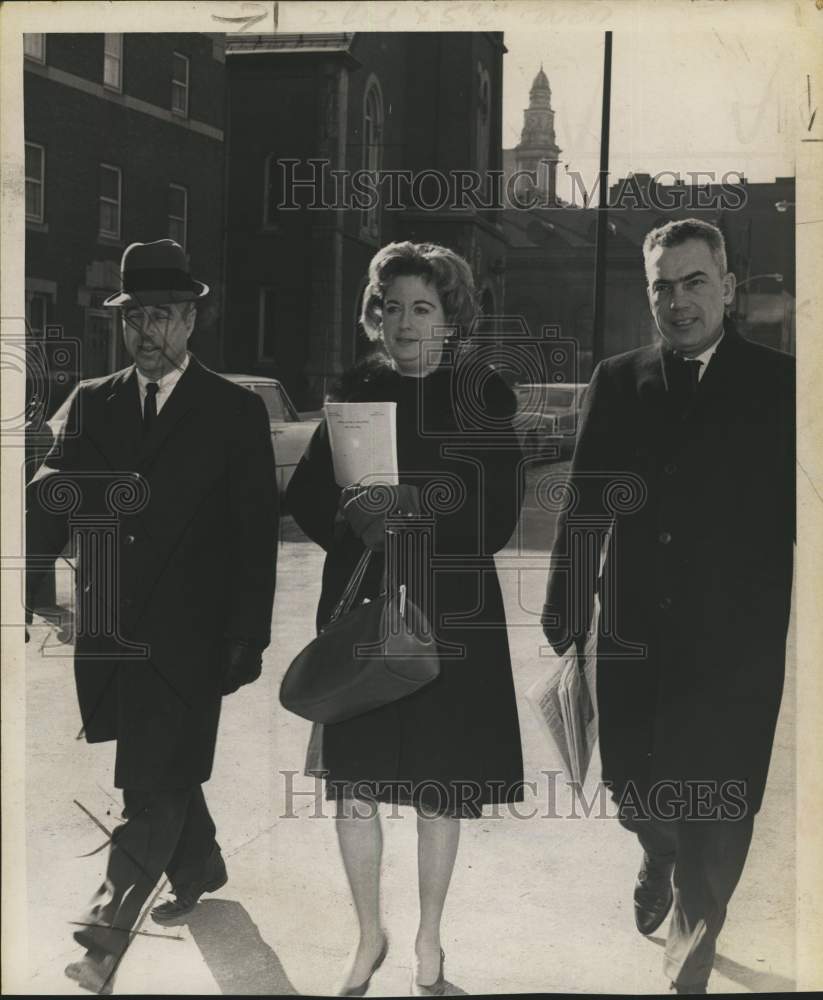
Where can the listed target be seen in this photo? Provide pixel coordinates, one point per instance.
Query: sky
(680, 102)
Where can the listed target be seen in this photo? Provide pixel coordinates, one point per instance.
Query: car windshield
(275, 404)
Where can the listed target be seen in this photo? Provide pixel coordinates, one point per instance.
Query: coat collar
(126, 439)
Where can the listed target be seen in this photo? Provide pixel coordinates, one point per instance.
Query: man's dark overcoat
(699, 566)
(462, 727)
(194, 559)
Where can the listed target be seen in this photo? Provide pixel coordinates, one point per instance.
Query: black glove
(557, 636)
(370, 525)
(242, 663)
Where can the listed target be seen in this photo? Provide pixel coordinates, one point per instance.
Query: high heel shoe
(360, 990)
(437, 988)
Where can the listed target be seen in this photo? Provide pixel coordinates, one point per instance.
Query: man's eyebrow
(688, 277)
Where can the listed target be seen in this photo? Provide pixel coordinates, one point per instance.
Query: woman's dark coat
(463, 727)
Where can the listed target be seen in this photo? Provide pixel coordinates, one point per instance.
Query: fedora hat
(155, 274)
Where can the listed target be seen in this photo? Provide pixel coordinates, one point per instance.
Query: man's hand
(369, 526)
(242, 663)
(557, 636)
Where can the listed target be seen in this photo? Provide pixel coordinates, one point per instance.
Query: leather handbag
(367, 655)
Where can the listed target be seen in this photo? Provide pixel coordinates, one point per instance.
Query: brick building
(372, 102)
(124, 142)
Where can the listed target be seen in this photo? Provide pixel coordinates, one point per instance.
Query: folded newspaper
(363, 439)
(564, 703)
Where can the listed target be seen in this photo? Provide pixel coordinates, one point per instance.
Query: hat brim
(158, 297)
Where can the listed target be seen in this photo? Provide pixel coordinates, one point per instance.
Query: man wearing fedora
(183, 459)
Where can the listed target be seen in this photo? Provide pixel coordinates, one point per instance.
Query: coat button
(129, 539)
(664, 537)
(670, 468)
(664, 603)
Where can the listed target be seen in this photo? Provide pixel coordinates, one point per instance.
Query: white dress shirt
(165, 384)
(703, 358)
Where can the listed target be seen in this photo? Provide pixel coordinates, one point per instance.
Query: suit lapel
(176, 412)
(123, 423)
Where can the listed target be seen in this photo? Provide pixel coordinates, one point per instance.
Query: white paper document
(363, 438)
(564, 703)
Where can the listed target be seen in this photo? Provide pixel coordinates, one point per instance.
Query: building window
(266, 325)
(111, 183)
(35, 181)
(101, 343)
(372, 150)
(37, 313)
(483, 116)
(180, 85)
(113, 62)
(271, 191)
(34, 47)
(178, 214)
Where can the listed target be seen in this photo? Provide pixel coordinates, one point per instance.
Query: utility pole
(601, 246)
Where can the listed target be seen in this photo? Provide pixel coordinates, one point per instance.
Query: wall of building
(80, 127)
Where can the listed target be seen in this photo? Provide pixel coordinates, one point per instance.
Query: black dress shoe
(186, 896)
(652, 893)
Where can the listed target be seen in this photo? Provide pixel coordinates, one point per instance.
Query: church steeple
(537, 140)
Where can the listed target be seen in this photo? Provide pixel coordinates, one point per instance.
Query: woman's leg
(437, 840)
(361, 845)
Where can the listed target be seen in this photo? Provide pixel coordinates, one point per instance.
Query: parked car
(547, 417)
(290, 430)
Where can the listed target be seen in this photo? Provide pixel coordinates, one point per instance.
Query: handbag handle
(343, 606)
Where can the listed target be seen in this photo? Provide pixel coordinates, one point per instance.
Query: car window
(276, 405)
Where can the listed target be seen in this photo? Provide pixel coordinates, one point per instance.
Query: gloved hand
(557, 636)
(369, 524)
(242, 663)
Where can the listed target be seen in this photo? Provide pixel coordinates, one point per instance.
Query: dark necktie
(150, 408)
(684, 376)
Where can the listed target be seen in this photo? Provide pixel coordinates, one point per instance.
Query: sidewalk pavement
(536, 905)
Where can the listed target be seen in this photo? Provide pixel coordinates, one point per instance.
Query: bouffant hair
(446, 271)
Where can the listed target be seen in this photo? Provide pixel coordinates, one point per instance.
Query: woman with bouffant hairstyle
(453, 746)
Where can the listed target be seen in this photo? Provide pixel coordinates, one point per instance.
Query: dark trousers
(169, 832)
(708, 858)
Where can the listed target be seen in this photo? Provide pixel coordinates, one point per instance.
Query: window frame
(270, 219)
(31, 296)
(33, 56)
(185, 217)
(185, 85)
(41, 217)
(372, 150)
(104, 234)
(107, 36)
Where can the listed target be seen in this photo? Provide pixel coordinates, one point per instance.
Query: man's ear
(729, 287)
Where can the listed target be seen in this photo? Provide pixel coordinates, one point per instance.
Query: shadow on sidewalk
(750, 979)
(238, 958)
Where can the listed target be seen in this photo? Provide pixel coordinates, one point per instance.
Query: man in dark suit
(685, 454)
(164, 473)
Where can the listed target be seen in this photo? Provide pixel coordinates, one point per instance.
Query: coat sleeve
(573, 566)
(47, 525)
(312, 495)
(254, 525)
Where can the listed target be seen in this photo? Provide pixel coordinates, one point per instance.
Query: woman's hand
(365, 508)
